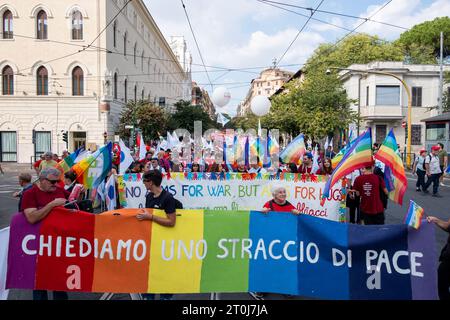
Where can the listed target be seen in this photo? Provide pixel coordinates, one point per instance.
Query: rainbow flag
(414, 216)
(294, 151)
(389, 156)
(215, 251)
(359, 155)
(338, 157)
(92, 170)
(66, 164)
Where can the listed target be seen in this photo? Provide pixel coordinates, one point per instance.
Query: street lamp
(408, 93)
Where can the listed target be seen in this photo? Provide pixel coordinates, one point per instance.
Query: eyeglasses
(52, 181)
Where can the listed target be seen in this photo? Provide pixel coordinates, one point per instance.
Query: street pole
(441, 72)
(408, 93)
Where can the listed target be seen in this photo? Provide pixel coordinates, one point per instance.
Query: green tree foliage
(151, 119)
(185, 116)
(249, 121)
(320, 106)
(422, 42)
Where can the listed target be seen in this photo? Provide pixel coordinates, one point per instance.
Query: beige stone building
(382, 102)
(269, 81)
(70, 66)
(201, 97)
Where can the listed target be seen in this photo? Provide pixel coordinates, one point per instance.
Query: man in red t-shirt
(37, 203)
(368, 186)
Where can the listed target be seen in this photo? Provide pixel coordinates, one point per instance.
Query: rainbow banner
(92, 170)
(389, 156)
(294, 151)
(228, 251)
(66, 164)
(414, 216)
(358, 156)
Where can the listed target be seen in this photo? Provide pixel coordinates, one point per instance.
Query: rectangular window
(388, 95)
(367, 96)
(380, 133)
(8, 146)
(162, 101)
(43, 142)
(435, 131)
(416, 96)
(416, 134)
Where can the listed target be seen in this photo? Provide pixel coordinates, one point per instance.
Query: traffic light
(65, 137)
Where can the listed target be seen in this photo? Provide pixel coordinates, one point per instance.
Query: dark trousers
(370, 219)
(434, 178)
(151, 296)
(43, 295)
(444, 280)
(420, 179)
(355, 214)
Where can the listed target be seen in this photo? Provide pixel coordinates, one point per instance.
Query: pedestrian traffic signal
(65, 136)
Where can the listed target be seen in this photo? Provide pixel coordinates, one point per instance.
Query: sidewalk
(11, 167)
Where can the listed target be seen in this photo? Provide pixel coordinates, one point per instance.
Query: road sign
(129, 127)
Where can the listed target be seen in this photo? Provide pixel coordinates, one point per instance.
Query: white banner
(238, 192)
(4, 241)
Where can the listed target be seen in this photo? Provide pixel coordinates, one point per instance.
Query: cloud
(404, 13)
(322, 27)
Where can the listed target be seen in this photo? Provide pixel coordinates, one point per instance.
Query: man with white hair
(37, 203)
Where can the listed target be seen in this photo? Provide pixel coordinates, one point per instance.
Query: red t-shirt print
(36, 198)
(368, 186)
(287, 207)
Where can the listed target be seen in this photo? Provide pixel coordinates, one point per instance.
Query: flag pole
(88, 165)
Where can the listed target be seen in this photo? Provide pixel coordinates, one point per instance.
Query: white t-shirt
(420, 160)
(433, 161)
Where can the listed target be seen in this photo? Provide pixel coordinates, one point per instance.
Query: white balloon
(221, 96)
(260, 105)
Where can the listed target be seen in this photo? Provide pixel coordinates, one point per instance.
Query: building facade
(269, 81)
(382, 101)
(72, 66)
(201, 97)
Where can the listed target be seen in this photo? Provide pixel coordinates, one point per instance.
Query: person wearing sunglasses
(37, 203)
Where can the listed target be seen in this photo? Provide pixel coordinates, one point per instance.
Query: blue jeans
(151, 296)
(43, 295)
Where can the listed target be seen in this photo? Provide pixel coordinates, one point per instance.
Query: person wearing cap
(433, 171)
(48, 161)
(419, 169)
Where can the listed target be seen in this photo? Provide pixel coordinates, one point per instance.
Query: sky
(249, 34)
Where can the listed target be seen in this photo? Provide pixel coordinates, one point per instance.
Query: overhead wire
(336, 14)
(196, 42)
(298, 34)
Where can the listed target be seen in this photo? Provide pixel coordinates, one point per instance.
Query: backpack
(423, 164)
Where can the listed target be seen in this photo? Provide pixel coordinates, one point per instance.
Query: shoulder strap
(271, 205)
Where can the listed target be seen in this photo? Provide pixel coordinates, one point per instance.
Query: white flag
(315, 166)
(325, 147)
(142, 150)
(82, 155)
(110, 193)
(4, 241)
(125, 157)
(222, 119)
